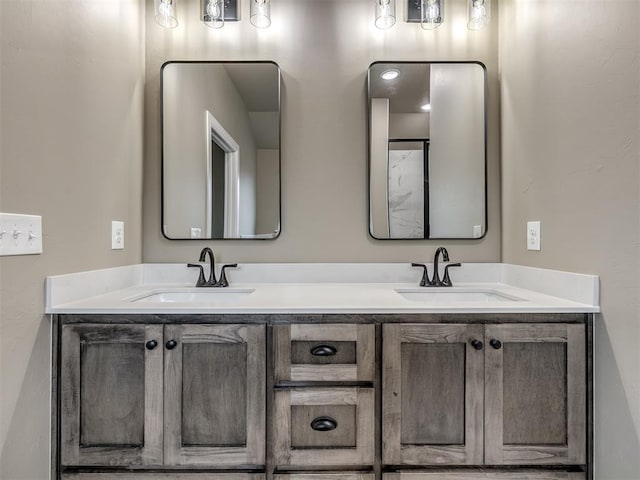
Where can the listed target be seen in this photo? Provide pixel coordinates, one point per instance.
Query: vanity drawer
(324, 426)
(326, 476)
(325, 353)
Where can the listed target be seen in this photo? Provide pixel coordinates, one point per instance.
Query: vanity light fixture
(166, 13)
(478, 14)
(426, 107)
(385, 13)
(214, 13)
(390, 74)
(432, 14)
(260, 13)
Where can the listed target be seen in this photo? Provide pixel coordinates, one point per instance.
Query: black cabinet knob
(171, 344)
(477, 344)
(497, 344)
(151, 344)
(324, 424)
(324, 350)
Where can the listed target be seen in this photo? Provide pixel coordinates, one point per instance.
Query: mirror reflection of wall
(427, 152)
(221, 150)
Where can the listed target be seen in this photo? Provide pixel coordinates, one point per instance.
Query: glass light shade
(166, 15)
(478, 13)
(260, 13)
(431, 14)
(213, 13)
(385, 13)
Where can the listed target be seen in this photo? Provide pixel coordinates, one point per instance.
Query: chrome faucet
(212, 281)
(435, 280)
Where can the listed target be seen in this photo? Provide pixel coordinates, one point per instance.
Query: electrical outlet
(477, 231)
(117, 235)
(533, 235)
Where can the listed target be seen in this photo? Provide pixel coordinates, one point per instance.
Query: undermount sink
(216, 296)
(447, 296)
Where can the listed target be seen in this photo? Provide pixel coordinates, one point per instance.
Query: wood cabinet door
(432, 394)
(486, 475)
(111, 395)
(163, 476)
(215, 383)
(535, 394)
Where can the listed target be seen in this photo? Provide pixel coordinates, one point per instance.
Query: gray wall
(324, 49)
(570, 146)
(71, 93)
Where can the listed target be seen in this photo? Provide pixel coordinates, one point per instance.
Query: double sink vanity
(323, 371)
(288, 375)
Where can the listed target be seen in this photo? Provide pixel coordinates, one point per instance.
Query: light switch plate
(533, 235)
(117, 235)
(477, 231)
(20, 234)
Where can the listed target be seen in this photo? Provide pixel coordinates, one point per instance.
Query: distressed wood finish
(487, 475)
(163, 476)
(289, 339)
(509, 394)
(431, 445)
(209, 348)
(326, 476)
(287, 455)
(102, 421)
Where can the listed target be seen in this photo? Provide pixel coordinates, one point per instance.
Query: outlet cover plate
(117, 235)
(533, 236)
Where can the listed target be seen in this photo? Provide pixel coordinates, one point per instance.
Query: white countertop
(512, 289)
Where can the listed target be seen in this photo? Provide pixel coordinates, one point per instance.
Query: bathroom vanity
(314, 380)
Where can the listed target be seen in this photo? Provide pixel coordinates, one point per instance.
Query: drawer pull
(323, 351)
(324, 424)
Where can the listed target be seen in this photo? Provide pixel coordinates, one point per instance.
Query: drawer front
(327, 476)
(329, 352)
(492, 475)
(163, 476)
(320, 427)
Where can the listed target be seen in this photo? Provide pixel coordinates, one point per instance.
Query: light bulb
(385, 13)
(432, 14)
(213, 13)
(426, 107)
(478, 14)
(260, 13)
(166, 14)
(213, 9)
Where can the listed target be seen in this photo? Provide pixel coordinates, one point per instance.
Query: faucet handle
(201, 280)
(223, 282)
(446, 280)
(425, 274)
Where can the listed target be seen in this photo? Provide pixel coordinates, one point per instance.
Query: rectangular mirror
(427, 150)
(220, 150)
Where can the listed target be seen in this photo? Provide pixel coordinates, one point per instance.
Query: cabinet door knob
(151, 344)
(171, 344)
(323, 350)
(324, 424)
(497, 344)
(477, 344)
